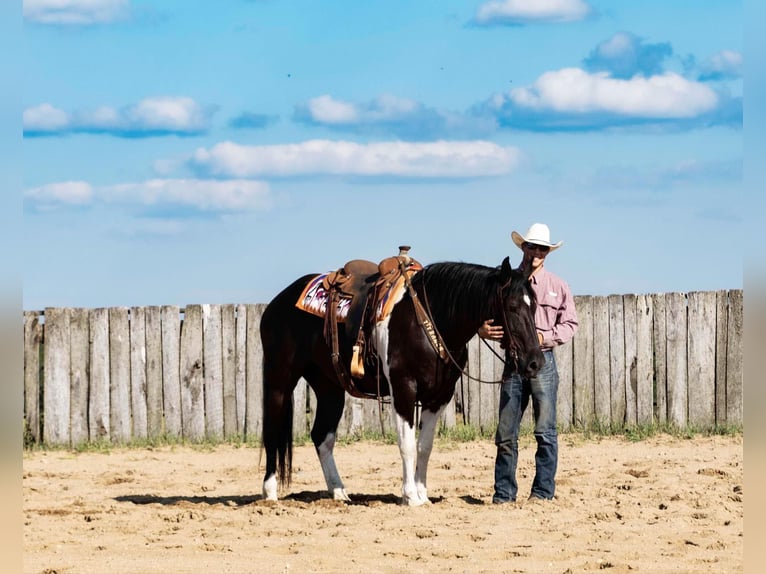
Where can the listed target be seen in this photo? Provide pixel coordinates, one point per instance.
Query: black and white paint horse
(459, 297)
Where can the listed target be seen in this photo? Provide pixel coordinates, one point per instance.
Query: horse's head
(516, 313)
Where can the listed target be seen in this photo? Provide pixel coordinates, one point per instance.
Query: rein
(438, 341)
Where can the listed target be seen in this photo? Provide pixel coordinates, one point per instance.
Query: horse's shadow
(305, 497)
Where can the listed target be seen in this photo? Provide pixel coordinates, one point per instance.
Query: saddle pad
(314, 299)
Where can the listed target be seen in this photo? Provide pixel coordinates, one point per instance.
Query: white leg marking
(332, 478)
(428, 422)
(404, 431)
(270, 488)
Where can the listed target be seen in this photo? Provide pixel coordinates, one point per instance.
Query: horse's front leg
(428, 422)
(405, 431)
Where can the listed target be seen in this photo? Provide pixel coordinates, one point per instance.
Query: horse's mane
(458, 291)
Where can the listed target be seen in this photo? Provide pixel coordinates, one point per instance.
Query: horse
(459, 298)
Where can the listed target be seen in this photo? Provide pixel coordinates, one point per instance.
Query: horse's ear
(525, 267)
(505, 269)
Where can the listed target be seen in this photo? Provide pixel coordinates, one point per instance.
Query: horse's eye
(527, 300)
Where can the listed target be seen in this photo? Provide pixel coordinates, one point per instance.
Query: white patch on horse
(527, 300)
(327, 460)
(428, 422)
(405, 432)
(270, 488)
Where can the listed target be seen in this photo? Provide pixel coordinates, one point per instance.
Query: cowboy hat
(539, 234)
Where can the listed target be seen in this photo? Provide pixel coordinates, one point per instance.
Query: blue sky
(212, 152)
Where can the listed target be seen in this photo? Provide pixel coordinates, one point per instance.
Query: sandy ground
(660, 505)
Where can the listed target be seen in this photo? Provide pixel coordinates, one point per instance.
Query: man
(556, 323)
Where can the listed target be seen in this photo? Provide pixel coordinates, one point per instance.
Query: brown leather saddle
(364, 282)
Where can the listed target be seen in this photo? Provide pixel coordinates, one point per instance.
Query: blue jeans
(514, 398)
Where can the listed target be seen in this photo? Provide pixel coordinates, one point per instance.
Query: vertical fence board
(701, 358)
(300, 422)
(119, 374)
(240, 373)
(192, 376)
(721, 319)
(490, 393)
(212, 352)
(583, 362)
(631, 381)
(644, 360)
(734, 407)
(99, 417)
(659, 337)
(564, 401)
(473, 368)
(170, 318)
(229, 369)
(138, 371)
(601, 359)
(79, 348)
(56, 388)
(617, 360)
(675, 329)
(254, 396)
(33, 335)
(153, 372)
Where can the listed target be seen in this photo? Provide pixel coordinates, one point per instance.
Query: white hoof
(270, 488)
(340, 494)
(414, 501)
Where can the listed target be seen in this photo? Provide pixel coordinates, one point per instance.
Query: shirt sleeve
(566, 324)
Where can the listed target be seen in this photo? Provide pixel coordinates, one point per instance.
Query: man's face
(535, 253)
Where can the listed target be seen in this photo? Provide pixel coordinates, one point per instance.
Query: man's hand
(490, 331)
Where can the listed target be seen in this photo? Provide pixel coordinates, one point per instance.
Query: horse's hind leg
(330, 402)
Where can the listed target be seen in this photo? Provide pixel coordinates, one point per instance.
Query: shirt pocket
(548, 304)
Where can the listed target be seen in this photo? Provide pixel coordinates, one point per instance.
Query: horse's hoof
(270, 489)
(412, 502)
(340, 494)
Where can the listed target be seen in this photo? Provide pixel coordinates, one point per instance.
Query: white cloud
(45, 118)
(397, 159)
(61, 193)
(724, 64)
(326, 109)
(81, 12)
(572, 90)
(155, 115)
(196, 194)
(529, 11)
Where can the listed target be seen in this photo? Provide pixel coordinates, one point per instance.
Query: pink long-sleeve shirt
(555, 316)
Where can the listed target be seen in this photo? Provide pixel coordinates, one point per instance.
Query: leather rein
(425, 319)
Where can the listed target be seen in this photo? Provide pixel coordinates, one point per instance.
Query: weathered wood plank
(79, 356)
(583, 383)
(119, 374)
(473, 368)
(192, 376)
(659, 337)
(138, 372)
(734, 366)
(229, 369)
(618, 400)
(564, 401)
(99, 415)
(631, 376)
(212, 372)
(33, 336)
(240, 374)
(490, 393)
(601, 377)
(701, 358)
(644, 360)
(56, 386)
(675, 328)
(153, 372)
(300, 422)
(170, 318)
(254, 395)
(721, 318)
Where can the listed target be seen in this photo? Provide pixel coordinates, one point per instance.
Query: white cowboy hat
(539, 234)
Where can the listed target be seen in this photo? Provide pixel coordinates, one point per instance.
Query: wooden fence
(122, 374)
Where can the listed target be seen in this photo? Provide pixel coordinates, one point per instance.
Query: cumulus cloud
(439, 159)
(196, 195)
(75, 12)
(155, 116)
(389, 115)
(724, 65)
(573, 99)
(624, 55)
(521, 12)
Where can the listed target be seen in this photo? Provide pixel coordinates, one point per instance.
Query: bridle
(442, 349)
